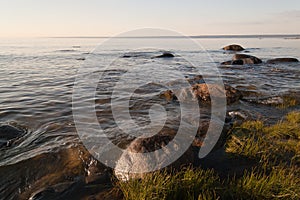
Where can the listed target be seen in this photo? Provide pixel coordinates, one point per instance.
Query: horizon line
(191, 36)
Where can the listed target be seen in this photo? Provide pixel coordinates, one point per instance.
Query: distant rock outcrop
(282, 60)
(233, 47)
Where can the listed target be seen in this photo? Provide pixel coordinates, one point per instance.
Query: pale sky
(36, 18)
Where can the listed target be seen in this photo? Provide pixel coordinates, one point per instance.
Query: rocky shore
(74, 172)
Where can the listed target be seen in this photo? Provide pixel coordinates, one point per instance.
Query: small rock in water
(8, 133)
(247, 59)
(165, 55)
(272, 101)
(238, 114)
(282, 60)
(233, 47)
(242, 59)
(201, 91)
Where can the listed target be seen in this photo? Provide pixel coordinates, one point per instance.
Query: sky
(63, 18)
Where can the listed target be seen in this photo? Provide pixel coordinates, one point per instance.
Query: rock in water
(246, 59)
(165, 55)
(242, 59)
(233, 47)
(282, 60)
(201, 91)
(9, 133)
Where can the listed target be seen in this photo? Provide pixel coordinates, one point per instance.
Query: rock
(196, 79)
(58, 173)
(9, 133)
(233, 47)
(229, 62)
(282, 60)
(168, 95)
(242, 59)
(247, 59)
(165, 55)
(138, 161)
(202, 93)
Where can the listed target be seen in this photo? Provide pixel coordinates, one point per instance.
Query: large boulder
(135, 158)
(282, 60)
(233, 47)
(129, 163)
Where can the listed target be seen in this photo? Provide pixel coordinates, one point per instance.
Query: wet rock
(242, 59)
(271, 101)
(234, 62)
(168, 95)
(8, 133)
(201, 91)
(233, 47)
(196, 79)
(238, 115)
(64, 173)
(66, 190)
(247, 59)
(282, 60)
(229, 62)
(165, 55)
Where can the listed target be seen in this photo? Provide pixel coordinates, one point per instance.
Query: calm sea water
(37, 78)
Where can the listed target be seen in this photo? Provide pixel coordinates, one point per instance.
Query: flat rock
(165, 55)
(282, 60)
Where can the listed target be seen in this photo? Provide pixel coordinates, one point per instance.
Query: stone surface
(233, 47)
(282, 60)
(247, 59)
(165, 55)
(9, 133)
(201, 91)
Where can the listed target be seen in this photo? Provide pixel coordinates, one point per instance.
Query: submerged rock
(165, 55)
(233, 47)
(282, 60)
(67, 172)
(8, 133)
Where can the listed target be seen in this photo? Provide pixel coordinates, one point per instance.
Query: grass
(186, 184)
(279, 142)
(288, 101)
(275, 148)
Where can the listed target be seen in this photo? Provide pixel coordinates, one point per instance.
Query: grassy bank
(274, 149)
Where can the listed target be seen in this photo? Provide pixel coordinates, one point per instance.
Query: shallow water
(37, 78)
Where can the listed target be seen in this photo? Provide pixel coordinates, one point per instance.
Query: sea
(39, 76)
